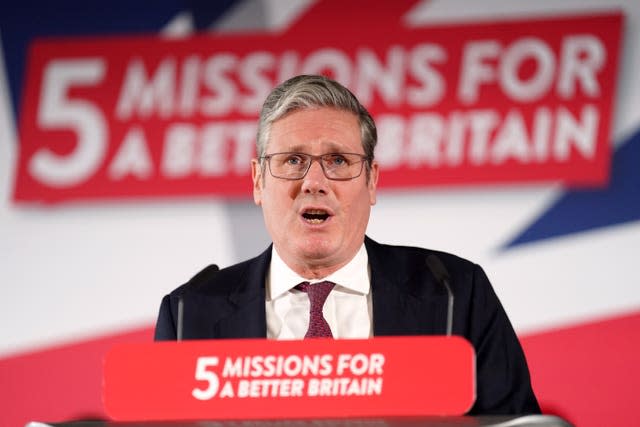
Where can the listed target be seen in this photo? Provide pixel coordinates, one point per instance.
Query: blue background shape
(587, 209)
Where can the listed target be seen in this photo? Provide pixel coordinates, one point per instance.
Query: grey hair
(312, 91)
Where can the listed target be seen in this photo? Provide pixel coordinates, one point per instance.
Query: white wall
(79, 270)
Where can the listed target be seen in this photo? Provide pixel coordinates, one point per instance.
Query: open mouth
(315, 216)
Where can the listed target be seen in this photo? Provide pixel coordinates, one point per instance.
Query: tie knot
(317, 292)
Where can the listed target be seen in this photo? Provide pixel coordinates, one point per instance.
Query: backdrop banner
(510, 101)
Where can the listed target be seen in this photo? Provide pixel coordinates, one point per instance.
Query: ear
(373, 182)
(256, 176)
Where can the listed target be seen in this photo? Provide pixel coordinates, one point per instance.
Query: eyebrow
(331, 147)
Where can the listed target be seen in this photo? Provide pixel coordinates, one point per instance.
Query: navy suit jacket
(407, 300)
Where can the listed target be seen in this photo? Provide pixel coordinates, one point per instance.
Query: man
(315, 178)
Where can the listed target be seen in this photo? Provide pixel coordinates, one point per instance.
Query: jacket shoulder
(412, 258)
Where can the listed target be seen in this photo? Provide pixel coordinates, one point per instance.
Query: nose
(315, 181)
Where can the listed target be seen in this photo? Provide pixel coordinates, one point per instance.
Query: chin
(318, 249)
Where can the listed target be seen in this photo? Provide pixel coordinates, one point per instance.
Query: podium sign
(265, 379)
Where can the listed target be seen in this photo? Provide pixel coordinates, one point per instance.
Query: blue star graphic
(581, 210)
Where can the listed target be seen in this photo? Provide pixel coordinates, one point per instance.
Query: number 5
(202, 374)
(57, 111)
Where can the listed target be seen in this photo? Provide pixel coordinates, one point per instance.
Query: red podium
(380, 382)
(311, 379)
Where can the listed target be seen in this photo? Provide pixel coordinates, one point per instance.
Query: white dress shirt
(347, 309)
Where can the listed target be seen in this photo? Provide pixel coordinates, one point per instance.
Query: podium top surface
(462, 421)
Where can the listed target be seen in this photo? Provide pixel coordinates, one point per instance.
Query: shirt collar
(354, 275)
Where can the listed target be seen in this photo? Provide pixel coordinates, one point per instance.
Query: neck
(315, 271)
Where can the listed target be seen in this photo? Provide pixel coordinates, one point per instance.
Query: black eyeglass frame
(363, 159)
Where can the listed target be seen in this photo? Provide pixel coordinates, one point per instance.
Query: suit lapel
(239, 313)
(248, 318)
(403, 301)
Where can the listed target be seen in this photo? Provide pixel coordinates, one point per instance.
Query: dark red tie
(318, 292)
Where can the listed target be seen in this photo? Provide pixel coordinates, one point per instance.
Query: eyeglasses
(335, 166)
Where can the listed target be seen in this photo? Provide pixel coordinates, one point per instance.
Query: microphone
(180, 325)
(196, 280)
(442, 276)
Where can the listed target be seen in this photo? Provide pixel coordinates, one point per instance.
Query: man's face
(315, 248)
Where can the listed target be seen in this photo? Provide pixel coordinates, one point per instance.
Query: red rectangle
(489, 102)
(264, 379)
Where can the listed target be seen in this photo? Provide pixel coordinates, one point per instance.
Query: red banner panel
(266, 379)
(488, 102)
